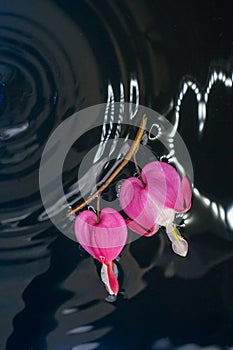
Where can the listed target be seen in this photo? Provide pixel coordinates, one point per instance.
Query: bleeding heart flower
(155, 200)
(104, 240)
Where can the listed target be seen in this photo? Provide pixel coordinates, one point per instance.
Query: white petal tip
(182, 251)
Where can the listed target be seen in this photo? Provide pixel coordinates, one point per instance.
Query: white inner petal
(105, 279)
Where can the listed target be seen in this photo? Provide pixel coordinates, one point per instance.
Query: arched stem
(138, 170)
(98, 210)
(125, 161)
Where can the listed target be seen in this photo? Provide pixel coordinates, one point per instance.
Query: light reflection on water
(202, 94)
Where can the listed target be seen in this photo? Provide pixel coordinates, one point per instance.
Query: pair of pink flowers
(150, 202)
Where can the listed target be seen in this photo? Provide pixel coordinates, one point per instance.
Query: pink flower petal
(141, 230)
(104, 240)
(109, 278)
(165, 186)
(137, 204)
(186, 189)
(174, 194)
(163, 182)
(155, 179)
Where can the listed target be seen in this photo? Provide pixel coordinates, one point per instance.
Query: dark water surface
(57, 57)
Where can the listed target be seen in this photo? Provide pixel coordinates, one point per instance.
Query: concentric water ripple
(49, 68)
(40, 75)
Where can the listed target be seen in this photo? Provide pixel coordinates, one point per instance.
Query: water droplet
(118, 187)
(111, 298)
(144, 139)
(72, 216)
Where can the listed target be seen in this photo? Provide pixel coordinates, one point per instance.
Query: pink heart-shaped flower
(104, 240)
(155, 200)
